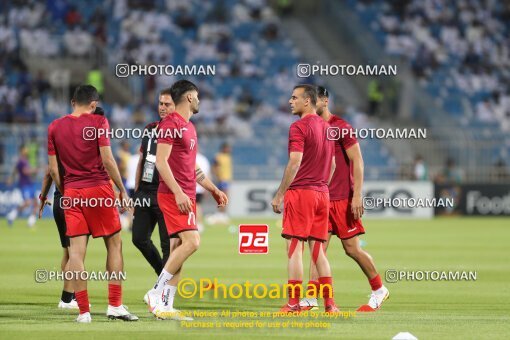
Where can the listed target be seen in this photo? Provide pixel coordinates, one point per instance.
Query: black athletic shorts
(58, 215)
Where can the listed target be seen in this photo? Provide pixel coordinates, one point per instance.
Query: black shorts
(148, 216)
(58, 215)
(199, 197)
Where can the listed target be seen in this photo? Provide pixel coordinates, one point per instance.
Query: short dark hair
(179, 88)
(99, 111)
(84, 94)
(166, 91)
(322, 92)
(310, 91)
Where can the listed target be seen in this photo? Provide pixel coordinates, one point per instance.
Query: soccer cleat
(120, 313)
(291, 309)
(68, 305)
(331, 309)
(163, 312)
(309, 304)
(376, 300)
(84, 318)
(151, 298)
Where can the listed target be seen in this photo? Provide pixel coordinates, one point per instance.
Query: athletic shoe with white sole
(84, 318)
(151, 298)
(309, 304)
(68, 305)
(120, 313)
(376, 300)
(169, 313)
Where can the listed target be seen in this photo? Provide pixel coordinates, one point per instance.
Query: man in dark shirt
(146, 186)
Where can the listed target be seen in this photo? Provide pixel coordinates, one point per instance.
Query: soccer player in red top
(77, 143)
(346, 207)
(304, 192)
(178, 175)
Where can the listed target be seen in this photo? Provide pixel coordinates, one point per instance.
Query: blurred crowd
(229, 34)
(466, 44)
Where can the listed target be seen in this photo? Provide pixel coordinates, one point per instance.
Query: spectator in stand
(72, 17)
(421, 172)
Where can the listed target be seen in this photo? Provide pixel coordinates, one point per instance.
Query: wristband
(42, 198)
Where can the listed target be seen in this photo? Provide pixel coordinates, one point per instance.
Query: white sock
(168, 295)
(163, 278)
(379, 291)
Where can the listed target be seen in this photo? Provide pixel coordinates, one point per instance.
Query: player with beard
(178, 174)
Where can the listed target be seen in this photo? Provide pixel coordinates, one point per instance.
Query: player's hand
(220, 197)
(183, 202)
(357, 207)
(42, 204)
(126, 204)
(277, 203)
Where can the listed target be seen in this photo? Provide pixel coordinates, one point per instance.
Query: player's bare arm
(291, 170)
(138, 174)
(219, 196)
(111, 168)
(333, 168)
(162, 155)
(54, 173)
(46, 184)
(354, 154)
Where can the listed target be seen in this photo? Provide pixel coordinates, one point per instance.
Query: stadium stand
(255, 70)
(459, 50)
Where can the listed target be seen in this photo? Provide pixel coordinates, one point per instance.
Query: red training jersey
(309, 136)
(174, 130)
(76, 141)
(342, 183)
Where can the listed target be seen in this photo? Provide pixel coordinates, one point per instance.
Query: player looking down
(178, 173)
(346, 208)
(304, 194)
(88, 166)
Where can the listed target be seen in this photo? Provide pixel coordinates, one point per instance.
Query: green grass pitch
(429, 310)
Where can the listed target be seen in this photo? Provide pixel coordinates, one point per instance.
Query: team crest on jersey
(192, 144)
